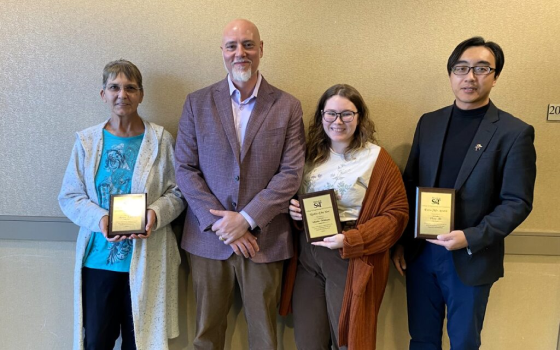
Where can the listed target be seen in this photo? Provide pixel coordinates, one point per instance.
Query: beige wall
(36, 304)
(52, 54)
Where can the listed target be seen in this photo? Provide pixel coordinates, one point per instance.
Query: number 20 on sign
(553, 112)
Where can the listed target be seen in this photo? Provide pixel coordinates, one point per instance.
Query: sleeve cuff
(353, 244)
(249, 219)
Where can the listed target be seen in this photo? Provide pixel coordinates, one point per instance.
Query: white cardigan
(155, 261)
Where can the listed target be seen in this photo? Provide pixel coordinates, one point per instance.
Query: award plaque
(320, 215)
(435, 212)
(127, 214)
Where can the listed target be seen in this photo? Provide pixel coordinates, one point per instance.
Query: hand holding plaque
(435, 212)
(127, 214)
(320, 215)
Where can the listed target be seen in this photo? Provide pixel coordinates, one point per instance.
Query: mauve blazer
(260, 178)
(494, 187)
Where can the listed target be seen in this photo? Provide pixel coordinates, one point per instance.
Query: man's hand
(151, 221)
(398, 259)
(451, 241)
(295, 210)
(230, 227)
(332, 242)
(246, 245)
(104, 227)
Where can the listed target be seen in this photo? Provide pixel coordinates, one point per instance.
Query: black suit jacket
(494, 187)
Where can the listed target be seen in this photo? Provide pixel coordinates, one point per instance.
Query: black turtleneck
(460, 133)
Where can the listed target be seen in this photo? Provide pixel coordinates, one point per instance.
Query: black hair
(477, 41)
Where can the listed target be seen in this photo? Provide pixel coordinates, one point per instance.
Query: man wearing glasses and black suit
(488, 157)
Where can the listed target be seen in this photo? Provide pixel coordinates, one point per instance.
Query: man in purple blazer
(240, 156)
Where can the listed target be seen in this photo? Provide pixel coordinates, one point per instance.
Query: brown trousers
(317, 297)
(214, 287)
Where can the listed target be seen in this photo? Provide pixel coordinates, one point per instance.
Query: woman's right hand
(295, 210)
(104, 227)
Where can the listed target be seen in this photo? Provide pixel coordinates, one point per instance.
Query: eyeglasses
(129, 89)
(479, 70)
(345, 116)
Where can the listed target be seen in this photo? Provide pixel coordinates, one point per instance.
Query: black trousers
(107, 309)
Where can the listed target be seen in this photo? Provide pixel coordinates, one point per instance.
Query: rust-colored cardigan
(383, 217)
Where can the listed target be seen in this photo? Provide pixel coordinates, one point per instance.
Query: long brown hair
(319, 143)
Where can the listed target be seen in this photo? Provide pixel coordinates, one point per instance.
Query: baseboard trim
(533, 243)
(37, 228)
(46, 228)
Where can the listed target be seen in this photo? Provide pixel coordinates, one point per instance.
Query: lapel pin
(478, 147)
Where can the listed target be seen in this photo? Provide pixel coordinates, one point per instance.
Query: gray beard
(241, 76)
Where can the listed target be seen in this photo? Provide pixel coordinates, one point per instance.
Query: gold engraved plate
(435, 211)
(320, 215)
(127, 214)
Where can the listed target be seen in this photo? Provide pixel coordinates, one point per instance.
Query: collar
(232, 87)
(470, 113)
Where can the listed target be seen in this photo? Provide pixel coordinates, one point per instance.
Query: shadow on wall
(400, 154)
(392, 325)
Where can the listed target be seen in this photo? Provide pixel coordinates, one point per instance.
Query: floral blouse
(348, 176)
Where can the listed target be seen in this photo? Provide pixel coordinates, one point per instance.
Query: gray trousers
(317, 297)
(214, 287)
